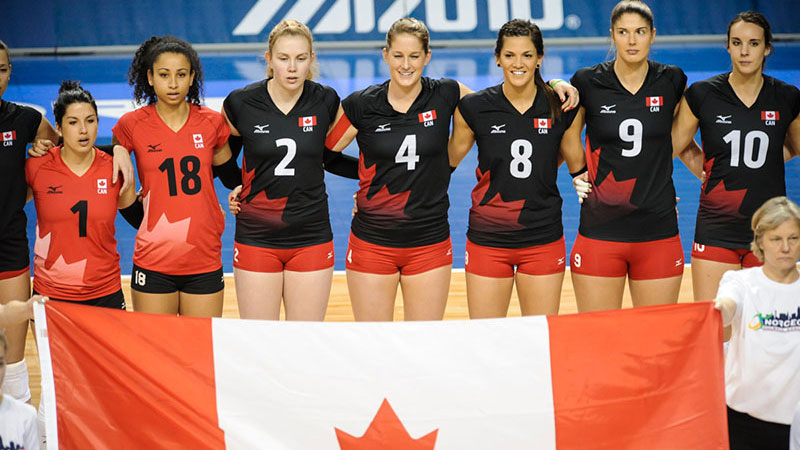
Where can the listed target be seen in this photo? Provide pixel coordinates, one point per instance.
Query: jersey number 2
(407, 154)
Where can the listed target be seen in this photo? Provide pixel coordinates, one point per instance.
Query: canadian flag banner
(427, 115)
(308, 121)
(543, 123)
(9, 135)
(647, 378)
(654, 101)
(770, 115)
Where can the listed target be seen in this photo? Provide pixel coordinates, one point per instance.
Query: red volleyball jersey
(183, 223)
(75, 252)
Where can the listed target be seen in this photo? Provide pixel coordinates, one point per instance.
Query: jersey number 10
(734, 138)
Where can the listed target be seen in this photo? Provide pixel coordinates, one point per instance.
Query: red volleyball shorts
(496, 262)
(365, 257)
(14, 273)
(651, 260)
(743, 256)
(270, 260)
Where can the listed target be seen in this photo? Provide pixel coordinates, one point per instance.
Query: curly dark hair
(71, 92)
(147, 54)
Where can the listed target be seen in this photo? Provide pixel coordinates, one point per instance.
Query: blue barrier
(54, 23)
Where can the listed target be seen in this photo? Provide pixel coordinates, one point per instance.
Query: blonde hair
(772, 214)
(291, 27)
(412, 26)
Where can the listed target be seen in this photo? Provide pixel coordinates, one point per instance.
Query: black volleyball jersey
(283, 190)
(18, 126)
(403, 165)
(516, 203)
(629, 153)
(743, 155)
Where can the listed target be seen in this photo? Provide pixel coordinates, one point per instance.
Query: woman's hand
(233, 200)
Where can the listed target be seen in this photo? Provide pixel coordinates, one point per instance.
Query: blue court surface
(35, 81)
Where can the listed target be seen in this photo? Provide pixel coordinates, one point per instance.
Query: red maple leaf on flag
(496, 213)
(386, 432)
(382, 202)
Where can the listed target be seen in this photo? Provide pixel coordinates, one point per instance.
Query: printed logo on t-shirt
(154, 148)
(654, 103)
(770, 117)
(542, 125)
(426, 118)
(54, 189)
(198, 140)
(608, 109)
(102, 185)
(260, 129)
(384, 127)
(726, 120)
(307, 123)
(498, 129)
(786, 321)
(8, 138)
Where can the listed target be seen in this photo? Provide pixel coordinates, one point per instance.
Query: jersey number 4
(407, 154)
(734, 138)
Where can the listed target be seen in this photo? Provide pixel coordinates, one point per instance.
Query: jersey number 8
(521, 152)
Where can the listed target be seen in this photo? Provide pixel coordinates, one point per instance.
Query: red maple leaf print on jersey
(268, 211)
(382, 202)
(164, 239)
(719, 199)
(495, 214)
(386, 432)
(608, 191)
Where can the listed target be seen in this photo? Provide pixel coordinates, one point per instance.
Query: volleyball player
(19, 126)
(284, 245)
(744, 117)
(762, 367)
(75, 252)
(628, 223)
(177, 261)
(515, 219)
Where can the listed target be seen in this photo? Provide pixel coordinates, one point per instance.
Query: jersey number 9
(630, 130)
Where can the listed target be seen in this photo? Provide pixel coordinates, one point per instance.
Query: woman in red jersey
(745, 118)
(76, 257)
(629, 226)
(515, 233)
(177, 261)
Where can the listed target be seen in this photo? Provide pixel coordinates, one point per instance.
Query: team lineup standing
(400, 235)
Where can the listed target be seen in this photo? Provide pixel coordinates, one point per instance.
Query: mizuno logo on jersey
(383, 128)
(770, 117)
(102, 185)
(156, 148)
(261, 129)
(427, 117)
(9, 137)
(198, 141)
(607, 109)
(54, 189)
(724, 120)
(497, 129)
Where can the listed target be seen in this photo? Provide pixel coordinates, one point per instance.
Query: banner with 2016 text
(649, 378)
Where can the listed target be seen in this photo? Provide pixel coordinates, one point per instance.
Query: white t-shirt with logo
(18, 427)
(762, 368)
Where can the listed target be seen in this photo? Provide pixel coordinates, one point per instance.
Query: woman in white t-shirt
(762, 304)
(17, 419)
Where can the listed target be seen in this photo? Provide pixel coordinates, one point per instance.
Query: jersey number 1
(81, 209)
